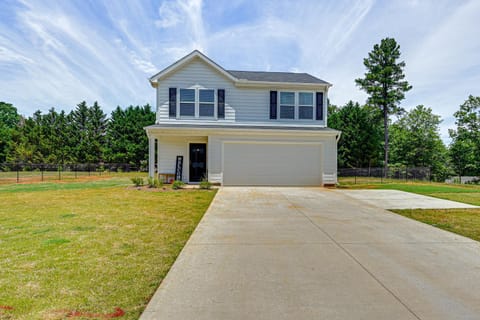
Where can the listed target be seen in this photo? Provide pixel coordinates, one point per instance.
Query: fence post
(18, 173)
(59, 175)
(75, 170)
(41, 170)
(381, 176)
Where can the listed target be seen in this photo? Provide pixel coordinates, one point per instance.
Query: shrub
(177, 184)
(154, 183)
(205, 184)
(137, 181)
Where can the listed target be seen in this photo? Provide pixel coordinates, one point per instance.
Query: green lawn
(89, 246)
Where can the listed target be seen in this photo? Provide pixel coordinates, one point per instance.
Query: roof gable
(241, 77)
(186, 60)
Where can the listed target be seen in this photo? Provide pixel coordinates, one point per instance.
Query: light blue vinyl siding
(241, 104)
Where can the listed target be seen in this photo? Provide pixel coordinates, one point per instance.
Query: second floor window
(287, 105)
(206, 102)
(305, 105)
(196, 102)
(187, 102)
(296, 105)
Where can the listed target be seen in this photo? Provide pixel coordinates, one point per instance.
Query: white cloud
(7, 55)
(170, 15)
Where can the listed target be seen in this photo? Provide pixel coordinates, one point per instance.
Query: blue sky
(58, 53)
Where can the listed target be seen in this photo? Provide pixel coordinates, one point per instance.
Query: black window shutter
(319, 111)
(273, 104)
(172, 102)
(221, 103)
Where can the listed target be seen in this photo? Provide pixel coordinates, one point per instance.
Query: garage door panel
(272, 164)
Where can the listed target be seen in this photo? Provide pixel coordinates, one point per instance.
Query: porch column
(151, 157)
(158, 158)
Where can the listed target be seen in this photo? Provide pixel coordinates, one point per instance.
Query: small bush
(177, 184)
(154, 183)
(205, 184)
(137, 181)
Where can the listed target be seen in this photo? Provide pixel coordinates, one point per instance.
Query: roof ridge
(266, 71)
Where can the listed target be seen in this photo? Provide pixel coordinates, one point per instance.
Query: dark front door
(198, 161)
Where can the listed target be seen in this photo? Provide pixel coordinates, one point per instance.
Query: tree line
(85, 135)
(414, 138)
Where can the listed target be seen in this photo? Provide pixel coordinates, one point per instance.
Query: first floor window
(187, 102)
(206, 102)
(287, 105)
(305, 105)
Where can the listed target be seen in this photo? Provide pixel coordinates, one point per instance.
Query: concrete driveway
(311, 253)
(395, 199)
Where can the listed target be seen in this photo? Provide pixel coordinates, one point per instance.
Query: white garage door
(287, 164)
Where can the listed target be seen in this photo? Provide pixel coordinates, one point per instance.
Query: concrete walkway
(300, 253)
(395, 199)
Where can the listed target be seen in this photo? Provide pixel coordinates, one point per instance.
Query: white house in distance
(240, 127)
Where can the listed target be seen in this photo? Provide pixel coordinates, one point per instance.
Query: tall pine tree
(384, 83)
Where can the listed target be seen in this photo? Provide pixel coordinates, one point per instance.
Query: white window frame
(296, 105)
(197, 89)
(179, 101)
(214, 103)
(280, 105)
(304, 105)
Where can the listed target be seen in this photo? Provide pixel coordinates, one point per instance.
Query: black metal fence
(395, 174)
(22, 172)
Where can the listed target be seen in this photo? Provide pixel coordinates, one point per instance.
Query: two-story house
(241, 127)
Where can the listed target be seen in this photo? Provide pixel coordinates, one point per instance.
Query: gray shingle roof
(276, 76)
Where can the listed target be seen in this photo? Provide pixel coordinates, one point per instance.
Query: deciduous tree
(465, 146)
(416, 142)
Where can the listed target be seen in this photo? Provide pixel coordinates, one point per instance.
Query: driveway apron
(313, 253)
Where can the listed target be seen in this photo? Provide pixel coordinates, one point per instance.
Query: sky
(59, 53)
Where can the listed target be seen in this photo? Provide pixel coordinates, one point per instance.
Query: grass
(89, 246)
(465, 222)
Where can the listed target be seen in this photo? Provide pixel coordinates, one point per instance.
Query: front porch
(178, 158)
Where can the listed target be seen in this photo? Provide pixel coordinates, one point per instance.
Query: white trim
(279, 104)
(196, 103)
(151, 157)
(214, 104)
(296, 111)
(304, 105)
(158, 158)
(198, 131)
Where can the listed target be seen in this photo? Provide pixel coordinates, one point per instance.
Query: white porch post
(158, 158)
(151, 157)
